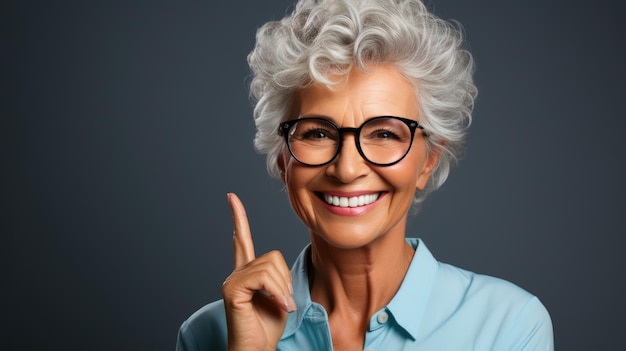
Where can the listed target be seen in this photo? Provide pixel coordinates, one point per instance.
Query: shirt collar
(411, 300)
(407, 306)
(301, 292)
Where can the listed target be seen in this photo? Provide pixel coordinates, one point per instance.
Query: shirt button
(382, 317)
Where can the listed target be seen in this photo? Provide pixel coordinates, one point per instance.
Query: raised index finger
(242, 238)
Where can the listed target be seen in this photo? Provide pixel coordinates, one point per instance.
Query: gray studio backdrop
(125, 123)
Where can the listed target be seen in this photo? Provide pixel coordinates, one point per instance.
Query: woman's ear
(281, 163)
(427, 170)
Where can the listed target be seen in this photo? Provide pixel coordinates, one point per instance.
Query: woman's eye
(384, 134)
(315, 134)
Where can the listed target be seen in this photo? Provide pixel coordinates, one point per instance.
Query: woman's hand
(258, 294)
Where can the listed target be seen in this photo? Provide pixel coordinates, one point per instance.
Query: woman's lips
(350, 204)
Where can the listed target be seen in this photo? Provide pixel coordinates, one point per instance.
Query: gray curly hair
(328, 37)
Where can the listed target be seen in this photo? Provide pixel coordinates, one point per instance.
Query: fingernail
(290, 304)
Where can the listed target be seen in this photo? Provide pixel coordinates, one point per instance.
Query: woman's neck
(355, 283)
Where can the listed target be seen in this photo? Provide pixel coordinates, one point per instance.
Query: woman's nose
(349, 165)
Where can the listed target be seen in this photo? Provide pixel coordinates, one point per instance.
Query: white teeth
(354, 201)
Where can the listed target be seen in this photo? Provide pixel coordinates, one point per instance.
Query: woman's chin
(345, 236)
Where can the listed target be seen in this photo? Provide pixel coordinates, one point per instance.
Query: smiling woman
(362, 106)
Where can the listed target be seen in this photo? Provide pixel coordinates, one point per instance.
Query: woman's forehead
(380, 91)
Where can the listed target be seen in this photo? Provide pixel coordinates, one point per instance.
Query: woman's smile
(350, 204)
(349, 200)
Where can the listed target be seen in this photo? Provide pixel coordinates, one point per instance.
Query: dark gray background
(124, 124)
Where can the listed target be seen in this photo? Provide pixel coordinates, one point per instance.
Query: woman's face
(383, 91)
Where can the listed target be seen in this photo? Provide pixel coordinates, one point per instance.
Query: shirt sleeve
(186, 340)
(531, 330)
(205, 330)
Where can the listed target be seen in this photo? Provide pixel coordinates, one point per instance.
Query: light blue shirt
(438, 307)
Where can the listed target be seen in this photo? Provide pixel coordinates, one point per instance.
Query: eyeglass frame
(285, 126)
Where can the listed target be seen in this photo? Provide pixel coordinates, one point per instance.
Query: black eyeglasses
(316, 141)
